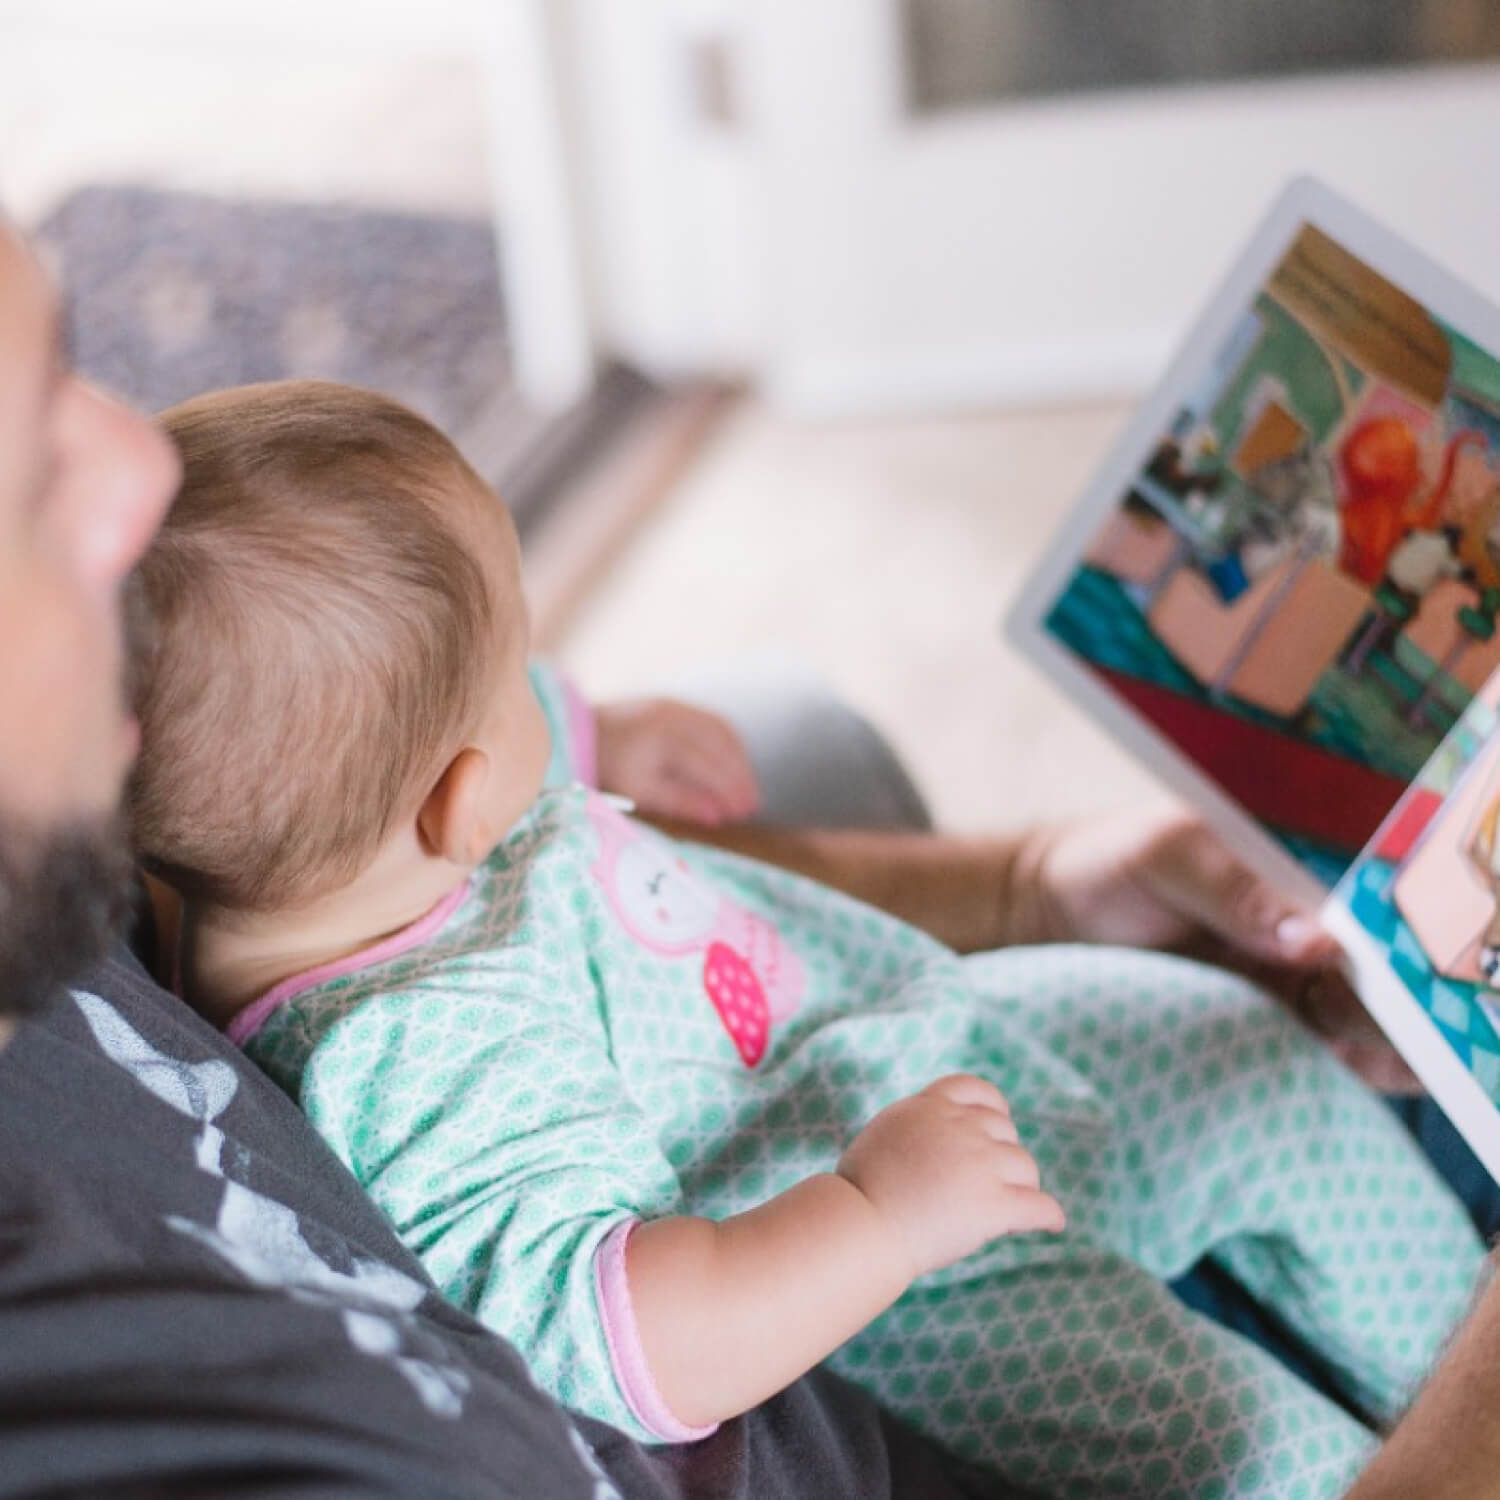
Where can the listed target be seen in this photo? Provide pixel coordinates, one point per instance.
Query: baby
(680, 1125)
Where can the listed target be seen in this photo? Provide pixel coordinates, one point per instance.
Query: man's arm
(1146, 878)
(1150, 877)
(1447, 1447)
(973, 894)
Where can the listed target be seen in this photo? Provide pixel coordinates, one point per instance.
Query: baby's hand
(948, 1173)
(675, 760)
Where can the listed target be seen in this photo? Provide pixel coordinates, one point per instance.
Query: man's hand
(1161, 879)
(947, 1173)
(675, 761)
(1144, 878)
(1447, 1447)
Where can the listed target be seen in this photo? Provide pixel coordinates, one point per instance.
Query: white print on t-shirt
(603, 1489)
(263, 1240)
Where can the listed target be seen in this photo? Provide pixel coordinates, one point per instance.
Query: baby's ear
(451, 822)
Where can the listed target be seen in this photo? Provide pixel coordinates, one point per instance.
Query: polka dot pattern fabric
(555, 1061)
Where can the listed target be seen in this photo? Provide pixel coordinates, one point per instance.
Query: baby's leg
(1236, 1132)
(1084, 1376)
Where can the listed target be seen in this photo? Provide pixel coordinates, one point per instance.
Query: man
(195, 1299)
(85, 484)
(1448, 1446)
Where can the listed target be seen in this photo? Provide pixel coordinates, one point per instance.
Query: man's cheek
(60, 746)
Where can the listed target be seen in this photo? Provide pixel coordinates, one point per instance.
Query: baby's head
(337, 655)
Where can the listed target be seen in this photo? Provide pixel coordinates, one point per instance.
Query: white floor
(882, 556)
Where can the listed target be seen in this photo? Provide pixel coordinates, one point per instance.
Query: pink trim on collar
(248, 1021)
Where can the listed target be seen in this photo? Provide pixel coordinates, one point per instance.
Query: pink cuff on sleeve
(623, 1337)
(583, 732)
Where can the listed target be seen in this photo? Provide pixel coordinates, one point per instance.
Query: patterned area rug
(171, 294)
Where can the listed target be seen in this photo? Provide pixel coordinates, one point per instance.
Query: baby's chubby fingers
(699, 793)
(999, 1127)
(677, 796)
(1019, 1204)
(1026, 1210)
(709, 751)
(1016, 1166)
(674, 760)
(990, 1106)
(946, 1171)
(969, 1089)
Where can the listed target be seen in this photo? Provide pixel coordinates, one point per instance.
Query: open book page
(1291, 577)
(1419, 913)
(1282, 591)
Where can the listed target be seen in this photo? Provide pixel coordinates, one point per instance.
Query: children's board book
(1282, 591)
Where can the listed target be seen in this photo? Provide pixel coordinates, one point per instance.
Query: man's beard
(64, 894)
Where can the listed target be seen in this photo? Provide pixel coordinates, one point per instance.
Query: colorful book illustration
(1283, 591)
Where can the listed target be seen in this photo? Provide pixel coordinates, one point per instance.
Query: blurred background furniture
(864, 287)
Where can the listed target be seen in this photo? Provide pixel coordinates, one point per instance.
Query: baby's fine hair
(319, 635)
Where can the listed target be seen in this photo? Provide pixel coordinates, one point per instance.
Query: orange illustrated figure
(1381, 465)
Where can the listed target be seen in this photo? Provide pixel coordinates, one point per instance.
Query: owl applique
(749, 975)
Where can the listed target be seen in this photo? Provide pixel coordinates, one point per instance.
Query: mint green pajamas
(606, 1027)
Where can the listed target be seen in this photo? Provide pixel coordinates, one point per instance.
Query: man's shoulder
(192, 1285)
(186, 1253)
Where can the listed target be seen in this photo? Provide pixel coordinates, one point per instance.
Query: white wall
(411, 27)
(1058, 249)
(673, 224)
(852, 259)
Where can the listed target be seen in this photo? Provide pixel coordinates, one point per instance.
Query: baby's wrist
(883, 1230)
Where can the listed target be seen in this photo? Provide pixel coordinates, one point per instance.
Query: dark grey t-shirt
(197, 1299)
